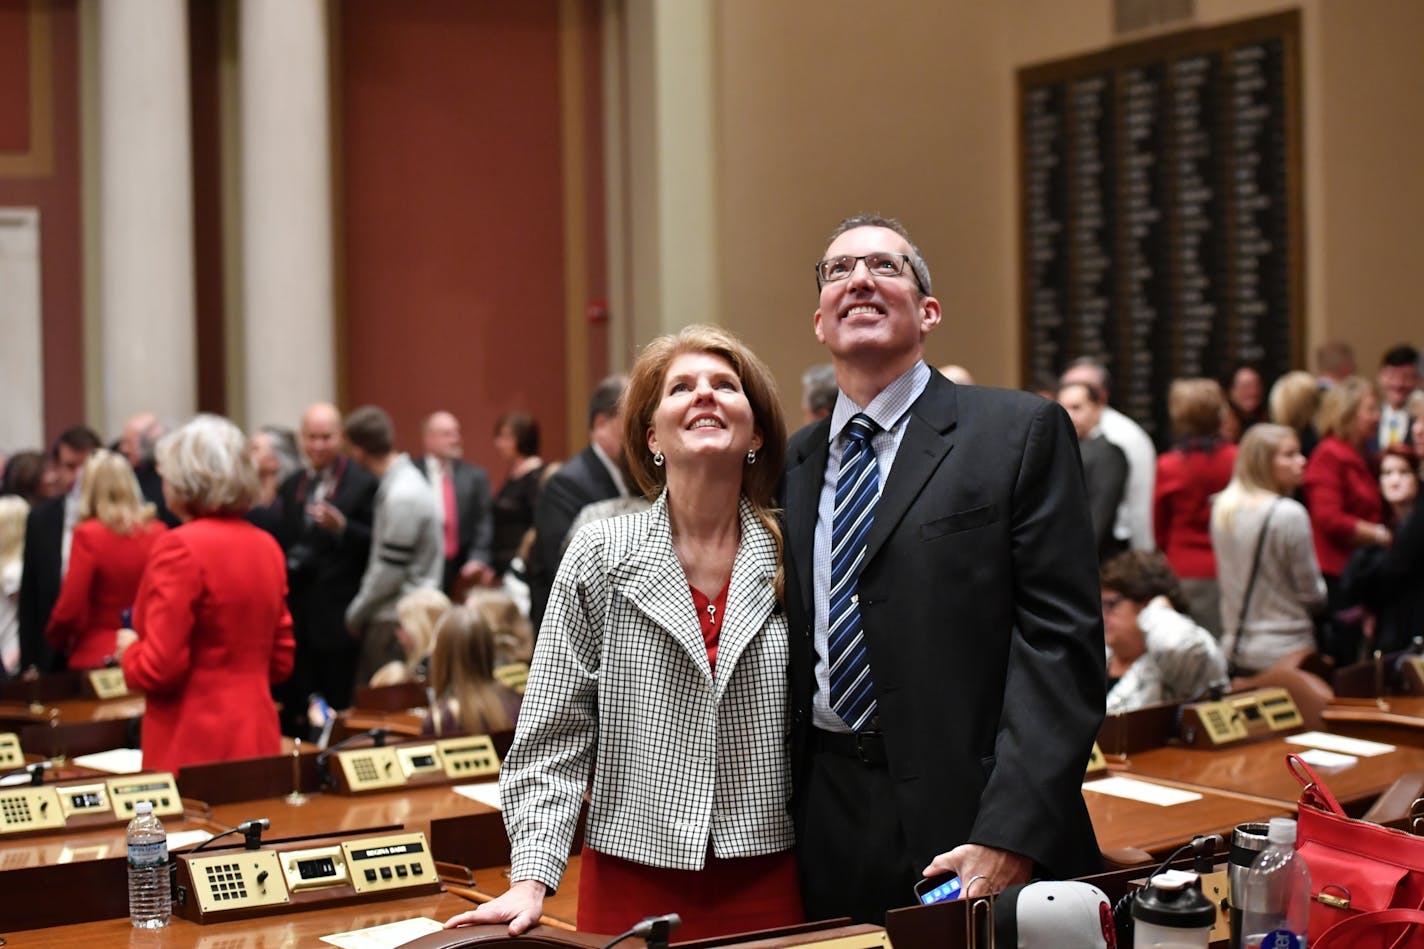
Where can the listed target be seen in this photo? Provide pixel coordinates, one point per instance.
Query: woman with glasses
(660, 669)
(1270, 583)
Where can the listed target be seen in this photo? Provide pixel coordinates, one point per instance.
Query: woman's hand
(123, 641)
(520, 906)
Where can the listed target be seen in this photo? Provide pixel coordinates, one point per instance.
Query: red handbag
(1361, 874)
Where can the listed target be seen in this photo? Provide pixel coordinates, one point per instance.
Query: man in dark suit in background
(324, 526)
(462, 496)
(594, 474)
(47, 532)
(947, 669)
(1104, 464)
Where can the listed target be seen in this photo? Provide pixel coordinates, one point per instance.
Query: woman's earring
(751, 456)
(658, 458)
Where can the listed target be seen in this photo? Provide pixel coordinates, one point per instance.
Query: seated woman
(1156, 653)
(211, 628)
(471, 701)
(1270, 583)
(512, 631)
(107, 557)
(417, 614)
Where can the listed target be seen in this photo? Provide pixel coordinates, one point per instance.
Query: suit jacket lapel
(929, 437)
(803, 497)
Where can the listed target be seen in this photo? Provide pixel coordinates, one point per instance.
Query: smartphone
(937, 889)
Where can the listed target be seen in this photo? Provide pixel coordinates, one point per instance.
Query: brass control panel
(514, 676)
(159, 787)
(1258, 713)
(85, 803)
(239, 883)
(28, 808)
(107, 683)
(11, 756)
(75, 799)
(1097, 764)
(359, 770)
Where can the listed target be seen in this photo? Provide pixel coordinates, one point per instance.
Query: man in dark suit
(1104, 464)
(47, 532)
(462, 496)
(594, 474)
(967, 635)
(324, 514)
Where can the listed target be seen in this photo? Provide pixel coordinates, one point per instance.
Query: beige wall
(822, 111)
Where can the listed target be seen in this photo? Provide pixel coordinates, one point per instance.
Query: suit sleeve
(1324, 491)
(34, 650)
(395, 548)
(284, 645)
(1055, 687)
(164, 618)
(69, 619)
(559, 504)
(482, 516)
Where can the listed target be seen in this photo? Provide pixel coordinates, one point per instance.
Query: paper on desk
(386, 936)
(486, 793)
(117, 761)
(1345, 746)
(186, 838)
(1142, 791)
(1326, 759)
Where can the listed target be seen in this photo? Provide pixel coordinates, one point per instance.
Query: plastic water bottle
(1276, 905)
(149, 904)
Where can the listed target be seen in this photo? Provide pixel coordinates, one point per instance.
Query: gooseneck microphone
(654, 930)
(378, 740)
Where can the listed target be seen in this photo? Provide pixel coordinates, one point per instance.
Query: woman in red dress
(211, 628)
(109, 550)
(661, 670)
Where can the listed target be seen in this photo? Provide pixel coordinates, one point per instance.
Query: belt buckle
(862, 742)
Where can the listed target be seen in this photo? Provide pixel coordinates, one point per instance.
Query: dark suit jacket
(581, 481)
(1105, 475)
(324, 570)
(475, 509)
(39, 584)
(979, 600)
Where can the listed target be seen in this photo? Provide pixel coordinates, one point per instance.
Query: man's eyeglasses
(877, 265)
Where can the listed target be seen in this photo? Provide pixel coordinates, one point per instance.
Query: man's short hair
(79, 438)
(604, 400)
(370, 429)
(1104, 376)
(1400, 355)
(917, 260)
(819, 385)
(1334, 357)
(1095, 395)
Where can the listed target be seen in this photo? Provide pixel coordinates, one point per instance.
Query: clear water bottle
(1276, 904)
(149, 904)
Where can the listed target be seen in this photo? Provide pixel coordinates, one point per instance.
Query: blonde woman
(13, 512)
(107, 558)
(1270, 582)
(512, 631)
(417, 614)
(1294, 400)
(471, 700)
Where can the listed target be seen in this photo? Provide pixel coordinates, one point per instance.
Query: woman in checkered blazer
(661, 670)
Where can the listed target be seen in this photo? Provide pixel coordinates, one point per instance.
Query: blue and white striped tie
(857, 490)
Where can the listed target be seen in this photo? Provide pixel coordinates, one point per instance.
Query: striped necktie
(857, 490)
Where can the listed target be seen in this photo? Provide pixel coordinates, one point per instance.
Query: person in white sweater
(1268, 598)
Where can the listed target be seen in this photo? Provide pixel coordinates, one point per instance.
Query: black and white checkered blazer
(620, 683)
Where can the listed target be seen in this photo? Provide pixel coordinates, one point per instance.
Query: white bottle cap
(1282, 831)
(146, 807)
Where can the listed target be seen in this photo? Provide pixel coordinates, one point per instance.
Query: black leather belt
(867, 747)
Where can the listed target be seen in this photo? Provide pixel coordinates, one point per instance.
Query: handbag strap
(1313, 792)
(1346, 932)
(1251, 586)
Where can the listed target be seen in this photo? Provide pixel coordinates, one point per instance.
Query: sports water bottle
(1276, 904)
(149, 903)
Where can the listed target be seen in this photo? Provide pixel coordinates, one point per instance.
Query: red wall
(450, 213)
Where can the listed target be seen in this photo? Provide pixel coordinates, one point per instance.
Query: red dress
(739, 895)
(1181, 506)
(104, 571)
(1340, 491)
(214, 634)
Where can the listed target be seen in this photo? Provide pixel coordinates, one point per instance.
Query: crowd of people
(792, 674)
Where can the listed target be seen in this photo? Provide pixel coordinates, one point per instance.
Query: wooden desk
(74, 726)
(1257, 771)
(1401, 724)
(291, 929)
(1121, 823)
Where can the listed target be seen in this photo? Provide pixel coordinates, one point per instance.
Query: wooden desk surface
(69, 711)
(415, 808)
(1401, 723)
(1121, 823)
(290, 929)
(1258, 770)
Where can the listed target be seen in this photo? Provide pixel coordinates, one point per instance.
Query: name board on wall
(1160, 200)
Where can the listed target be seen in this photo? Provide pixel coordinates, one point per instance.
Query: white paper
(116, 761)
(1345, 746)
(386, 936)
(187, 838)
(1134, 790)
(1327, 759)
(485, 793)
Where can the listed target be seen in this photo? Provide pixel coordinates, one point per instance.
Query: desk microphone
(378, 740)
(654, 930)
(251, 831)
(35, 769)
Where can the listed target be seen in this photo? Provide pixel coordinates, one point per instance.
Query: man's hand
(476, 574)
(520, 906)
(982, 869)
(327, 517)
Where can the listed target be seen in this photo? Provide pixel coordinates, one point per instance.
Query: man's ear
(816, 325)
(930, 315)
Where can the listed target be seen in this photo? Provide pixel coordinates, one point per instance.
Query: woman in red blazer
(211, 628)
(1197, 467)
(106, 559)
(1343, 497)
